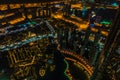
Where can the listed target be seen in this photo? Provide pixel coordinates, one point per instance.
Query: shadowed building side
(108, 64)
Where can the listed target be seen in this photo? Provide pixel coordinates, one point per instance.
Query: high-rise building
(108, 67)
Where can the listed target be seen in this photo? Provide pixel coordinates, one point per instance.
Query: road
(80, 23)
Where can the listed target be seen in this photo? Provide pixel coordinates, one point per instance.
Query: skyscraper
(108, 67)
